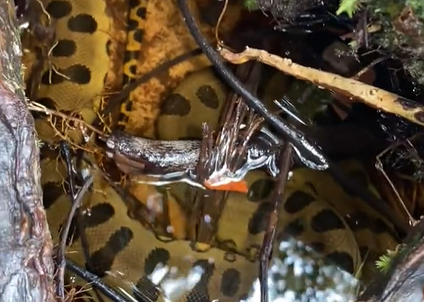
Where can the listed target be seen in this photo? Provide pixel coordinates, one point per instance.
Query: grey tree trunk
(26, 272)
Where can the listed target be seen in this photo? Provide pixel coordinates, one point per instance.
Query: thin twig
(205, 150)
(267, 244)
(370, 95)
(223, 162)
(34, 106)
(218, 23)
(66, 153)
(95, 281)
(368, 67)
(64, 234)
(380, 168)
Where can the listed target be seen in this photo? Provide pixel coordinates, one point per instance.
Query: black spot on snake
(141, 12)
(294, 228)
(297, 201)
(47, 153)
(51, 78)
(82, 23)
(138, 35)
(259, 220)
(101, 260)
(78, 74)
(208, 97)
(133, 70)
(59, 9)
(230, 282)
(260, 190)
(176, 104)
(64, 48)
(208, 268)
(407, 104)
(158, 256)
(108, 47)
(326, 220)
(134, 3)
(51, 192)
(146, 290)
(98, 214)
(47, 102)
(130, 55)
(123, 117)
(419, 116)
(318, 247)
(342, 259)
(128, 106)
(132, 25)
(357, 221)
(200, 291)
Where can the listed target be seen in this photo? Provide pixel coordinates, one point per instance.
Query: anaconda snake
(119, 243)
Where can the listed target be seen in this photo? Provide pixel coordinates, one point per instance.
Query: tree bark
(25, 242)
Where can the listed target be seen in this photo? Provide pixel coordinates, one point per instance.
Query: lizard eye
(110, 143)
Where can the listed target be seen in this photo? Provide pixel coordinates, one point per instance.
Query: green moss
(415, 69)
(403, 40)
(350, 6)
(417, 6)
(251, 5)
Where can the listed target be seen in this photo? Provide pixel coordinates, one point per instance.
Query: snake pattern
(136, 20)
(315, 211)
(75, 71)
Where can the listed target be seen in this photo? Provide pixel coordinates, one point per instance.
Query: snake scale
(316, 210)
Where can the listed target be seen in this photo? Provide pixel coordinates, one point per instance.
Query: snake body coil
(120, 245)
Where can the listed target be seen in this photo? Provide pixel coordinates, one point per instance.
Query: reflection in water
(300, 274)
(297, 273)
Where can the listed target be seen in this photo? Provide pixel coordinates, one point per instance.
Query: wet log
(404, 278)
(25, 243)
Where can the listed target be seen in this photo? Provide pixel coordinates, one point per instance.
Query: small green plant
(251, 5)
(383, 263)
(39, 143)
(349, 7)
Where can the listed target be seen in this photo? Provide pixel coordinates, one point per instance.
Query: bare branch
(370, 95)
(25, 241)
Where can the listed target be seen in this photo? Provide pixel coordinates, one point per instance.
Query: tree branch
(25, 241)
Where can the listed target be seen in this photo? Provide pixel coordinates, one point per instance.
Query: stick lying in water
(370, 95)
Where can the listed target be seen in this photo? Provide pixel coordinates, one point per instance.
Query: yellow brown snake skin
(316, 210)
